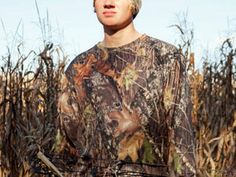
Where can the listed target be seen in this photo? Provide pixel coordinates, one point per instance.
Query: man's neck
(116, 38)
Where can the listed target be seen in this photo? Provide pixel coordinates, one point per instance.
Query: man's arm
(178, 105)
(69, 113)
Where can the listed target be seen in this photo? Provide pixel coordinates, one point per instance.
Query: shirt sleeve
(72, 109)
(177, 103)
(68, 109)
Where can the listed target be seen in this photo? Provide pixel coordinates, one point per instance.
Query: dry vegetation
(214, 114)
(28, 103)
(28, 116)
(214, 107)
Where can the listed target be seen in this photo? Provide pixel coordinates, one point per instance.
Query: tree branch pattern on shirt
(127, 110)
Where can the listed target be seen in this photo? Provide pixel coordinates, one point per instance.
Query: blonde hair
(135, 6)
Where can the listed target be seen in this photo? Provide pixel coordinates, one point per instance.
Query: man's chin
(115, 26)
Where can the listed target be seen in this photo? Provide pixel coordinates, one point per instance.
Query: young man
(125, 110)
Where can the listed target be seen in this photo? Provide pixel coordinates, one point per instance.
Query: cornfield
(214, 114)
(29, 136)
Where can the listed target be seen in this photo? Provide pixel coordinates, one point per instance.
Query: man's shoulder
(83, 55)
(162, 46)
(81, 58)
(166, 53)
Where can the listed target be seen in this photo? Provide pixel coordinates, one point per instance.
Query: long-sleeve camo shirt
(126, 111)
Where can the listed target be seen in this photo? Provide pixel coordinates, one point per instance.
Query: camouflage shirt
(126, 111)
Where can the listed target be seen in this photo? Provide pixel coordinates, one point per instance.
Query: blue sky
(74, 24)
